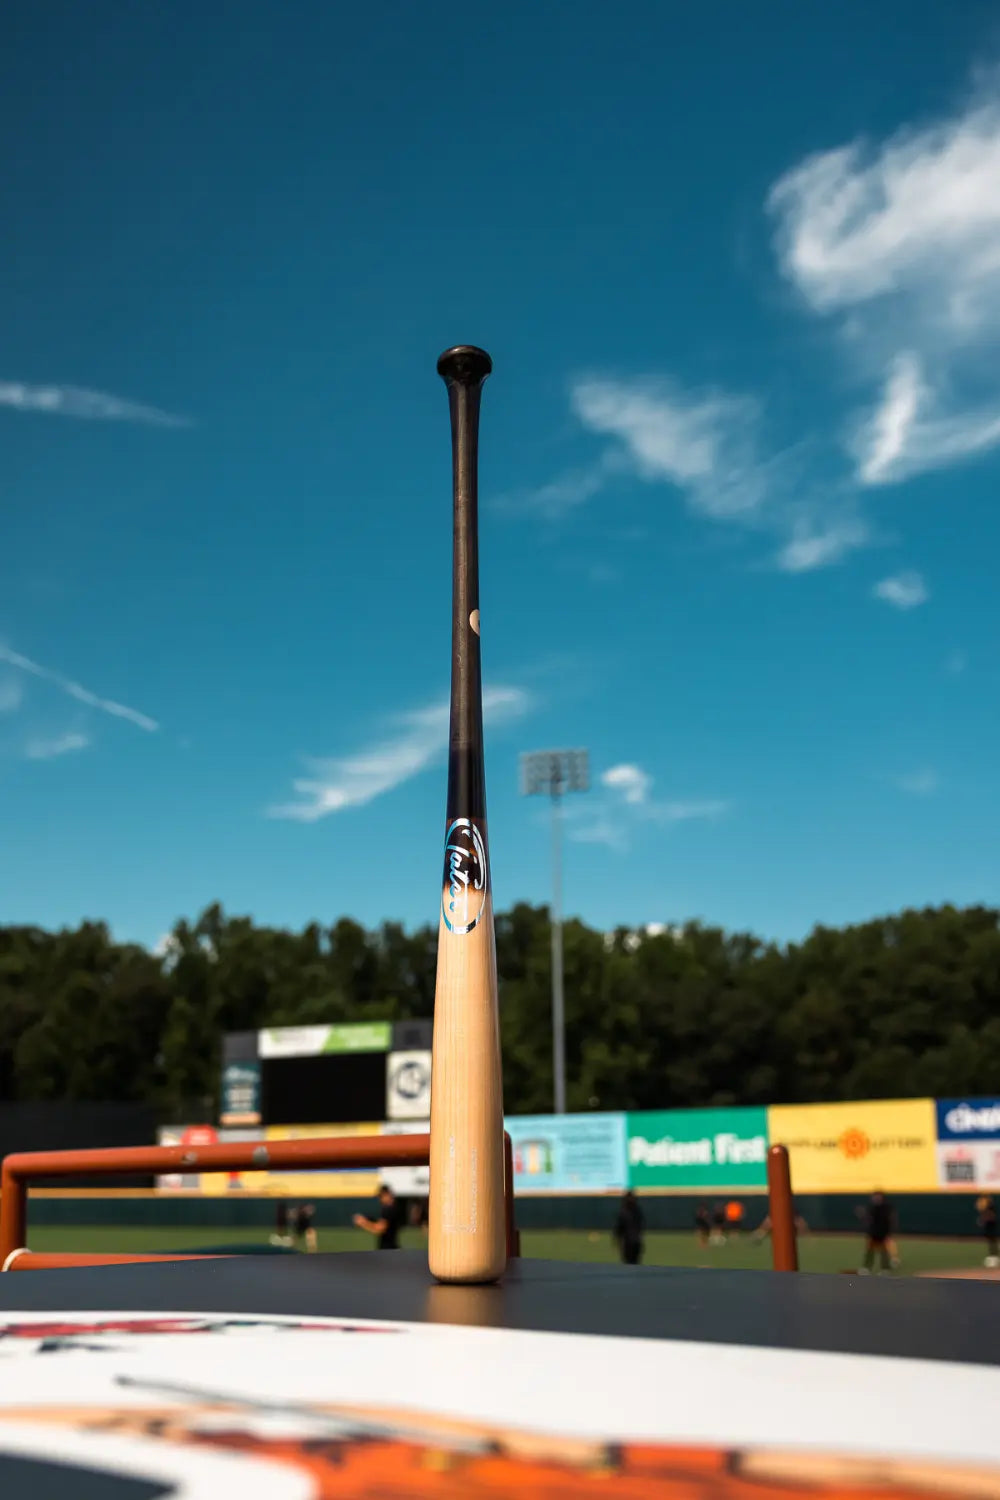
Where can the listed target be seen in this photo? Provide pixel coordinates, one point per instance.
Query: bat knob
(465, 364)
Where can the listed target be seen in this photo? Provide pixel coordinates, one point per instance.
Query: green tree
(691, 1015)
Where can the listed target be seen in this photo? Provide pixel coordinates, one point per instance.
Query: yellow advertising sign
(332, 1184)
(876, 1144)
(306, 1184)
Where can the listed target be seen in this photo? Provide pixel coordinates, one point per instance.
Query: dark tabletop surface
(915, 1318)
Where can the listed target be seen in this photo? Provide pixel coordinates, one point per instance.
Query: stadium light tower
(556, 772)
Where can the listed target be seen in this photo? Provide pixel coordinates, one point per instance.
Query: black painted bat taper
(466, 1228)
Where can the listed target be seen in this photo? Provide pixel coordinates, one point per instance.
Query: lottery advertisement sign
(863, 1147)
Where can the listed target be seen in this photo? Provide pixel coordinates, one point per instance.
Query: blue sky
(739, 271)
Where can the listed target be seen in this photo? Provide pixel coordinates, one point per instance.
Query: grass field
(816, 1252)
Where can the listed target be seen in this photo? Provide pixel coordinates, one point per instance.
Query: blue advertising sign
(568, 1153)
(968, 1119)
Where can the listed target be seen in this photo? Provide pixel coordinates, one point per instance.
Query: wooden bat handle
(466, 1219)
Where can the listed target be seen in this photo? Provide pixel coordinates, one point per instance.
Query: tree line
(903, 1005)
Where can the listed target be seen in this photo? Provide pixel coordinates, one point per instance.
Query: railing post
(318, 1153)
(513, 1235)
(323, 1152)
(13, 1211)
(784, 1245)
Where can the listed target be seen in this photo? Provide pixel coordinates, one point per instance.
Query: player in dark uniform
(387, 1226)
(987, 1212)
(702, 1223)
(628, 1229)
(718, 1235)
(418, 1214)
(302, 1222)
(878, 1230)
(281, 1235)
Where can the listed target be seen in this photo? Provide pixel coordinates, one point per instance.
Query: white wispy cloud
(897, 241)
(707, 446)
(956, 663)
(908, 434)
(684, 812)
(920, 783)
(701, 442)
(76, 401)
(567, 492)
(77, 691)
(819, 543)
(901, 240)
(419, 741)
(555, 499)
(884, 438)
(612, 818)
(51, 749)
(11, 694)
(632, 782)
(914, 214)
(902, 590)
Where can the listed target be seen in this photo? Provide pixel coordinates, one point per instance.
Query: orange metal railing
(22, 1168)
(59, 1260)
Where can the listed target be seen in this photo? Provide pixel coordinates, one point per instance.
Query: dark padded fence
(948, 1214)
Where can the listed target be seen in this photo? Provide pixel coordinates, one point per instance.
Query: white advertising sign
(408, 1085)
(407, 1182)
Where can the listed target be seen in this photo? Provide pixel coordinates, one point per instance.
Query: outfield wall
(948, 1214)
(934, 1157)
(855, 1148)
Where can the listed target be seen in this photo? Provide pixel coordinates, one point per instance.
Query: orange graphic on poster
(386, 1455)
(871, 1145)
(855, 1144)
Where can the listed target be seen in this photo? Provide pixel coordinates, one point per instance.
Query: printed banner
(968, 1119)
(323, 1183)
(240, 1101)
(968, 1150)
(698, 1148)
(408, 1085)
(334, 1183)
(218, 1184)
(407, 1182)
(184, 1135)
(309, 1041)
(975, 1164)
(873, 1145)
(568, 1153)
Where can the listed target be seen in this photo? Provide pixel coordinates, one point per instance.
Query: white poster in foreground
(268, 1408)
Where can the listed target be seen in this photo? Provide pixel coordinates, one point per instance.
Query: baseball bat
(466, 1240)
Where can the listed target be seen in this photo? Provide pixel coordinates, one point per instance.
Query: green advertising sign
(365, 1036)
(698, 1148)
(309, 1041)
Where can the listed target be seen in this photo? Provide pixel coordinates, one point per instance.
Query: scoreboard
(326, 1075)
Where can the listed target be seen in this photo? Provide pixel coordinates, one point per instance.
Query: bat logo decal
(464, 877)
